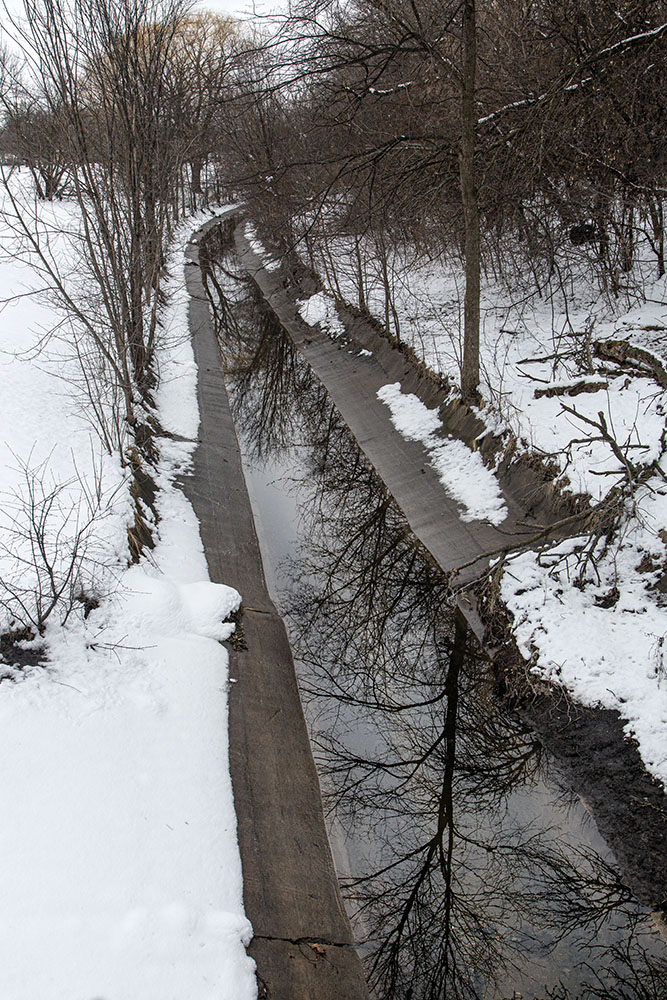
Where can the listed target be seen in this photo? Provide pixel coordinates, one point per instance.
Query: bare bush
(48, 563)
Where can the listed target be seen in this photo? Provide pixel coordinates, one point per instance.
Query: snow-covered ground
(120, 874)
(596, 625)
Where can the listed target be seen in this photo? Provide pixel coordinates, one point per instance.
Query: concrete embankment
(303, 942)
(352, 379)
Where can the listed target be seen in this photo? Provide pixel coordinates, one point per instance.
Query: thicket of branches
(507, 137)
(504, 135)
(113, 103)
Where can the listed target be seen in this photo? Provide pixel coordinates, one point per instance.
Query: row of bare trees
(113, 102)
(499, 136)
(368, 134)
(113, 108)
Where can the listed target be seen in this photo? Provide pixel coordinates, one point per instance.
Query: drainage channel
(467, 868)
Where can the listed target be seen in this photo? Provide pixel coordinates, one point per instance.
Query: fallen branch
(631, 471)
(584, 518)
(571, 390)
(622, 351)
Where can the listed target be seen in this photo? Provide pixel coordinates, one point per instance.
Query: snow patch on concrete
(321, 308)
(461, 471)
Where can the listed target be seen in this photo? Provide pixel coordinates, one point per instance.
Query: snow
(118, 871)
(609, 656)
(321, 308)
(460, 470)
(46, 440)
(269, 262)
(629, 408)
(120, 874)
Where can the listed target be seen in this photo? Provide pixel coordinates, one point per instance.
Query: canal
(467, 867)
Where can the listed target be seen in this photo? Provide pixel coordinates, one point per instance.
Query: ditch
(468, 868)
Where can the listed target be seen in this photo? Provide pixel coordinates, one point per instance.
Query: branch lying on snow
(571, 390)
(622, 351)
(583, 520)
(599, 522)
(632, 472)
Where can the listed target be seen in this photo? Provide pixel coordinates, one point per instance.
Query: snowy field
(120, 875)
(595, 620)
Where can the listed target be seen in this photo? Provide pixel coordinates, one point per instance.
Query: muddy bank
(602, 766)
(606, 771)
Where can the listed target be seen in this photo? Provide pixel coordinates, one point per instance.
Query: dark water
(468, 870)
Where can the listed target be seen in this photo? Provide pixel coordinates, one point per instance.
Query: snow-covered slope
(120, 874)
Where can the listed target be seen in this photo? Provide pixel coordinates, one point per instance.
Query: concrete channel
(303, 942)
(629, 805)
(352, 374)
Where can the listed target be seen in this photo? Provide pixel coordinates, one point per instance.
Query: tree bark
(470, 367)
(658, 225)
(196, 167)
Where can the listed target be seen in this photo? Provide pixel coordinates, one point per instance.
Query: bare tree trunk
(470, 368)
(658, 224)
(360, 274)
(387, 288)
(196, 167)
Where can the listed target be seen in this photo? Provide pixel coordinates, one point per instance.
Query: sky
(243, 8)
(237, 8)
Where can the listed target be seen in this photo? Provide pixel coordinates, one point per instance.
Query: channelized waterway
(468, 870)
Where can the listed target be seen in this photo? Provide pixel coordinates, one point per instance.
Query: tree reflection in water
(469, 874)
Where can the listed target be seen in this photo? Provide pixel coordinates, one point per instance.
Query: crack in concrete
(311, 941)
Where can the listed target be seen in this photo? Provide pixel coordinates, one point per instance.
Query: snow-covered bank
(595, 621)
(119, 867)
(604, 640)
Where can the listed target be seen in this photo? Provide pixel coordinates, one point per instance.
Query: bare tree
(470, 367)
(201, 62)
(101, 68)
(380, 115)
